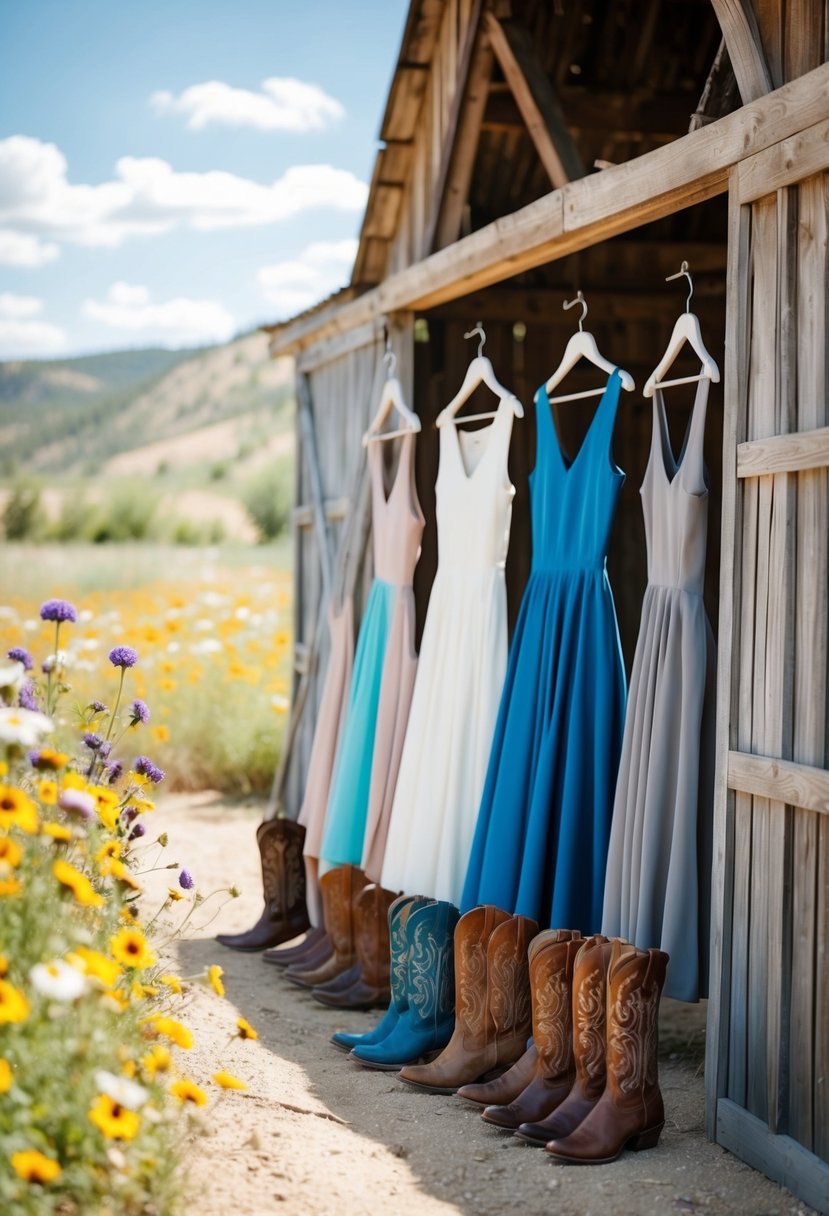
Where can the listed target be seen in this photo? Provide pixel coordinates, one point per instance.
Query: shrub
(268, 499)
(24, 517)
(128, 514)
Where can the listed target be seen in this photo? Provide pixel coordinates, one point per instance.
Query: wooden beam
(785, 163)
(742, 37)
(305, 418)
(691, 169)
(460, 147)
(535, 98)
(784, 453)
(777, 1156)
(616, 113)
(782, 781)
(720, 94)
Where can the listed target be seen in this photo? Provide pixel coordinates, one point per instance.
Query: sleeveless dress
(659, 865)
(540, 843)
(463, 658)
(384, 665)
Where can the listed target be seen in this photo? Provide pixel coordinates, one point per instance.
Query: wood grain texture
(742, 37)
(784, 163)
(779, 1157)
(784, 453)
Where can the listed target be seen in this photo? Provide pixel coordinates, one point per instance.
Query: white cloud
(21, 337)
(318, 270)
(178, 322)
(284, 104)
(148, 197)
(21, 249)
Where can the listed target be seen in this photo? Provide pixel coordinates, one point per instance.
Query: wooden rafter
(535, 98)
(461, 138)
(627, 112)
(742, 37)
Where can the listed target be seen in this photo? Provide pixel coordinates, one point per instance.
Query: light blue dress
(541, 838)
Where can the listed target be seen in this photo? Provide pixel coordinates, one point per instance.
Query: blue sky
(175, 172)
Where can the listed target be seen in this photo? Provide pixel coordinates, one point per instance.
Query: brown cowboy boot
(369, 985)
(283, 884)
(551, 986)
(510, 1084)
(630, 1113)
(338, 888)
(589, 1045)
(492, 1001)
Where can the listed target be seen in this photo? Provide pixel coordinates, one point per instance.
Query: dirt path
(317, 1136)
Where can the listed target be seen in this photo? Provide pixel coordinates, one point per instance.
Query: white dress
(461, 668)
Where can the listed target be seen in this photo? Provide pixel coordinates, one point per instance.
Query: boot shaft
(371, 933)
(551, 987)
(399, 914)
(508, 977)
(590, 1014)
(431, 967)
(634, 988)
(339, 888)
(283, 871)
(472, 935)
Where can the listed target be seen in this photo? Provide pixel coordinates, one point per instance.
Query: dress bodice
(675, 501)
(573, 503)
(397, 520)
(474, 495)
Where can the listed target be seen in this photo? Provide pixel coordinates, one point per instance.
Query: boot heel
(649, 1138)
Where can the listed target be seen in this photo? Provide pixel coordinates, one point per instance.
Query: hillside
(71, 417)
(209, 428)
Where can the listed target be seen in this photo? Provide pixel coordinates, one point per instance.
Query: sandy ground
(317, 1136)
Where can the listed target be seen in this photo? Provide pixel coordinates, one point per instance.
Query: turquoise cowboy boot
(427, 1023)
(399, 913)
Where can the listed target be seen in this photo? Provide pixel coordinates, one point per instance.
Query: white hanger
(480, 371)
(391, 398)
(582, 345)
(686, 330)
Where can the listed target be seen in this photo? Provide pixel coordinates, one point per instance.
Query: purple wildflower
(123, 656)
(129, 814)
(104, 749)
(145, 766)
(139, 712)
(19, 654)
(26, 697)
(186, 880)
(113, 771)
(97, 707)
(94, 742)
(58, 610)
(137, 831)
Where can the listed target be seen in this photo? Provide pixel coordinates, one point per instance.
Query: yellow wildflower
(114, 1121)
(140, 991)
(33, 1166)
(186, 1091)
(174, 895)
(137, 779)
(115, 867)
(6, 1076)
(4, 966)
(172, 982)
(80, 886)
(157, 1059)
(115, 1000)
(140, 804)
(95, 965)
(13, 1004)
(167, 685)
(17, 810)
(214, 975)
(59, 832)
(161, 733)
(107, 802)
(47, 757)
(47, 791)
(130, 947)
(129, 914)
(245, 1030)
(73, 781)
(10, 854)
(9, 887)
(112, 848)
(170, 1029)
(129, 1069)
(227, 1081)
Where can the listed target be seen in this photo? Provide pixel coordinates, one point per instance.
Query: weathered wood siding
(769, 1029)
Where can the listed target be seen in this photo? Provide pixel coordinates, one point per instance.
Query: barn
(532, 150)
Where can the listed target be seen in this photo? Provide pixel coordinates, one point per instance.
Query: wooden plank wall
(432, 125)
(773, 1045)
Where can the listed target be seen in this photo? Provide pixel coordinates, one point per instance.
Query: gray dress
(658, 882)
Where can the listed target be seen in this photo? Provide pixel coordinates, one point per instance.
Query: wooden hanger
(480, 371)
(687, 330)
(582, 345)
(391, 398)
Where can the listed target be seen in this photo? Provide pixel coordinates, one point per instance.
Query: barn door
(768, 1061)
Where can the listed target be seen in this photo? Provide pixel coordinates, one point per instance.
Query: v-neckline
(564, 464)
(666, 448)
(381, 480)
(467, 477)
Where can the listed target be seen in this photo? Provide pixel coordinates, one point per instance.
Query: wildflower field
(212, 626)
(95, 1099)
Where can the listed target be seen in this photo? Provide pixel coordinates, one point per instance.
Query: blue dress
(541, 837)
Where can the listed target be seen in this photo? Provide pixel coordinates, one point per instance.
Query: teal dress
(541, 838)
